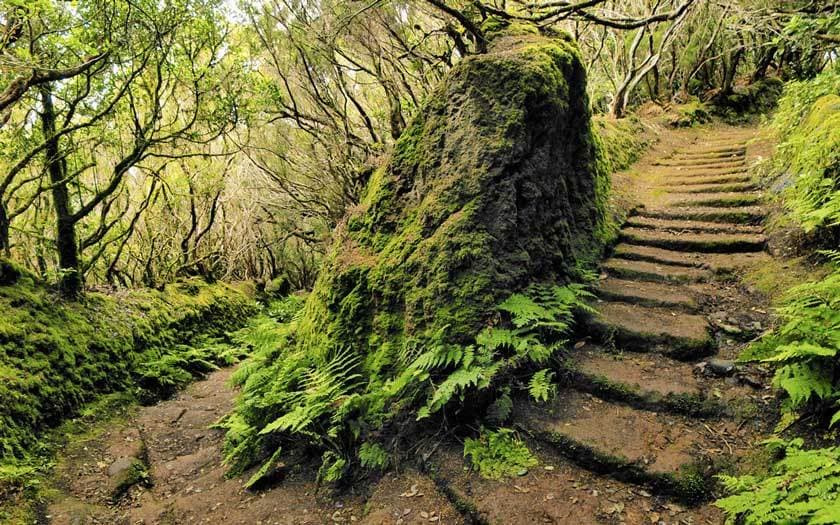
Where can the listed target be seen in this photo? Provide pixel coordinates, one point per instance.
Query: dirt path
(649, 412)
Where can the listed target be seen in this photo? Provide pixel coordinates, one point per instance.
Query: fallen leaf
(411, 493)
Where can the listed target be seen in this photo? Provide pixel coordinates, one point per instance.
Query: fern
(500, 410)
(540, 387)
(498, 454)
(373, 456)
(295, 394)
(802, 487)
(806, 347)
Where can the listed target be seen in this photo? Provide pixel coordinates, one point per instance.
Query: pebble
(720, 367)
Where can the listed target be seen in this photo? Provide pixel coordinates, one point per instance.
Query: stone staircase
(636, 405)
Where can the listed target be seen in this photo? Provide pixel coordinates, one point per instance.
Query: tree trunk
(70, 280)
(763, 64)
(5, 246)
(730, 69)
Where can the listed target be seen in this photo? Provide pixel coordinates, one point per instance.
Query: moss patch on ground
(55, 356)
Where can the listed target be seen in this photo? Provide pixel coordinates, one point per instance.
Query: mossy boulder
(497, 183)
(756, 98)
(498, 186)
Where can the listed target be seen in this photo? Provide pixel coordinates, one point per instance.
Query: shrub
(805, 347)
(808, 126)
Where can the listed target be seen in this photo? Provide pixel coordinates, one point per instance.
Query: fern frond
(540, 386)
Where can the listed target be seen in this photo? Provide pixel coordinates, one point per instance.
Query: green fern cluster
(806, 348)
(802, 488)
(342, 402)
(498, 454)
(808, 126)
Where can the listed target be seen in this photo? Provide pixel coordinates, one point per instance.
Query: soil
(611, 446)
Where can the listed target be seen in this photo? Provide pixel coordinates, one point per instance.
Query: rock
(729, 328)
(9, 273)
(124, 473)
(498, 182)
(720, 367)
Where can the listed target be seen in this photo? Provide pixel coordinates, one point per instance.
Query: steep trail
(647, 413)
(650, 399)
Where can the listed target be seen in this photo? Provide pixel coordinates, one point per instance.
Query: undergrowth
(805, 347)
(807, 124)
(498, 454)
(803, 486)
(59, 362)
(291, 397)
(159, 373)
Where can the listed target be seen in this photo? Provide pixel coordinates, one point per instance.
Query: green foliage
(808, 126)
(498, 454)
(287, 308)
(337, 404)
(690, 113)
(56, 356)
(373, 456)
(802, 487)
(805, 347)
(540, 387)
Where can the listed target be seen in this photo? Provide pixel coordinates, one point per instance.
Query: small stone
(721, 367)
(730, 329)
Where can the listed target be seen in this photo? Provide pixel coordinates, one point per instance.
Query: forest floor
(650, 410)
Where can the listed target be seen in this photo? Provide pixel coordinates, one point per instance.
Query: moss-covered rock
(496, 183)
(56, 355)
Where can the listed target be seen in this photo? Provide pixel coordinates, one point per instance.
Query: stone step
(638, 221)
(556, 491)
(717, 187)
(715, 200)
(702, 163)
(698, 242)
(655, 272)
(685, 173)
(739, 215)
(702, 181)
(710, 153)
(650, 329)
(648, 381)
(716, 262)
(671, 453)
(646, 293)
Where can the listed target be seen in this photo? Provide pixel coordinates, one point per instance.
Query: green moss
(495, 27)
(688, 114)
(56, 356)
(621, 143)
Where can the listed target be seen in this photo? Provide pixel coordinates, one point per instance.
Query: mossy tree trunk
(70, 280)
(5, 245)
